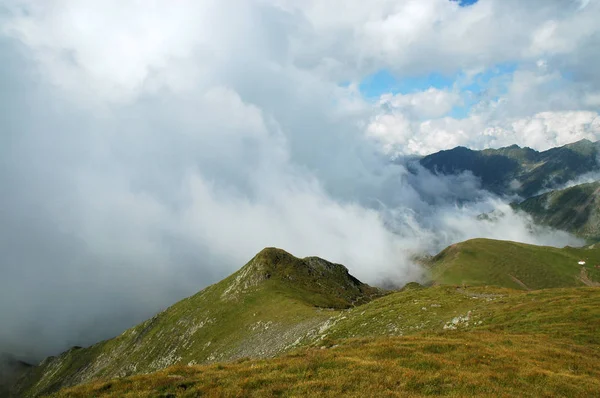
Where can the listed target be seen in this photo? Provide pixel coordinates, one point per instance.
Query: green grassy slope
(518, 170)
(568, 313)
(455, 342)
(515, 265)
(274, 303)
(277, 303)
(575, 209)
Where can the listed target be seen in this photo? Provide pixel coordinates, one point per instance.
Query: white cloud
(542, 131)
(115, 48)
(431, 103)
(535, 106)
(549, 129)
(149, 148)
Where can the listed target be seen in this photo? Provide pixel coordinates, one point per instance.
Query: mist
(134, 177)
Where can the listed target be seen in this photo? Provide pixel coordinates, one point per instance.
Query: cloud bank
(150, 149)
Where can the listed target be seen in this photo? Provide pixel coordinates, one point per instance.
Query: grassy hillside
(575, 209)
(457, 342)
(515, 265)
(341, 331)
(274, 303)
(523, 171)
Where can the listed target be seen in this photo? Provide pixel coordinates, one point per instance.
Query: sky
(151, 148)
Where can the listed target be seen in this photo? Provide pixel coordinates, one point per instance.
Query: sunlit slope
(419, 342)
(515, 265)
(274, 303)
(277, 303)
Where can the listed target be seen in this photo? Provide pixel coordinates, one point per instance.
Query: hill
(418, 342)
(11, 369)
(272, 304)
(320, 331)
(575, 209)
(516, 170)
(515, 265)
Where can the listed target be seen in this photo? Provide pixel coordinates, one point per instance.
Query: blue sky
(466, 3)
(384, 82)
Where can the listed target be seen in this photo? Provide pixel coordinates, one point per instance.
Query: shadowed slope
(575, 209)
(513, 169)
(11, 369)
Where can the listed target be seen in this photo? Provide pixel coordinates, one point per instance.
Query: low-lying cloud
(136, 175)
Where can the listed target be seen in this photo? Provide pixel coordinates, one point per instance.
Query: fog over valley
(150, 149)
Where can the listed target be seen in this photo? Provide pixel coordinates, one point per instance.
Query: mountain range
(544, 185)
(515, 170)
(491, 318)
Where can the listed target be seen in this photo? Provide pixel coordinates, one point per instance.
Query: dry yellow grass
(447, 364)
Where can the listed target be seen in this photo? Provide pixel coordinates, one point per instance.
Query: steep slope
(575, 209)
(515, 265)
(277, 303)
(11, 369)
(274, 303)
(479, 341)
(513, 169)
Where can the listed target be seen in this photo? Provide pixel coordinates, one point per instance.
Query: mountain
(575, 209)
(526, 172)
(272, 304)
(516, 170)
(441, 340)
(11, 369)
(515, 265)
(496, 318)
(330, 334)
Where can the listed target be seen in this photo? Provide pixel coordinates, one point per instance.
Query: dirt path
(478, 295)
(585, 279)
(519, 282)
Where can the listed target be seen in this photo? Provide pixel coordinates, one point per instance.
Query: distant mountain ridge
(575, 209)
(515, 170)
(526, 173)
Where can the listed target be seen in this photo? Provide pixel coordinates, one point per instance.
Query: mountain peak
(501, 170)
(313, 280)
(582, 141)
(583, 146)
(285, 264)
